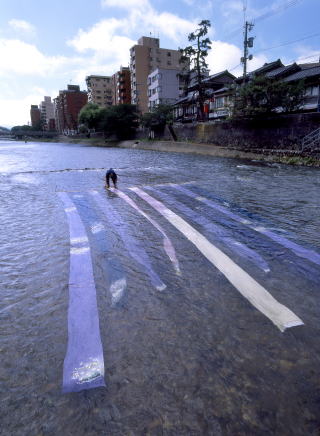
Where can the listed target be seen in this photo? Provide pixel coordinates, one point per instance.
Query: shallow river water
(186, 351)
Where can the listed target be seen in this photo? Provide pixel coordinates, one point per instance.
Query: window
(219, 102)
(169, 53)
(311, 91)
(169, 63)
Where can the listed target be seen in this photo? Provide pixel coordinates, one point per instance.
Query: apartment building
(164, 87)
(146, 57)
(35, 116)
(47, 113)
(67, 107)
(100, 90)
(122, 86)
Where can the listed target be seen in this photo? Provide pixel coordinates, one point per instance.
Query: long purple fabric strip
(298, 250)
(167, 244)
(217, 231)
(131, 243)
(258, 296)
(83, 364)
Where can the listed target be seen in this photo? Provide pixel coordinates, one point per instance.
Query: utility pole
(247, 43)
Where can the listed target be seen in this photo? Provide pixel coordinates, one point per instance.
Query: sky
(46, 45)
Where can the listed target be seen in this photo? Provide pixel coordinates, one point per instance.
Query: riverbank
(290, 157)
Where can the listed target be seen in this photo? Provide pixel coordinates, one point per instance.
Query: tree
(158, 118)
(121, 120)
(263, 96)
(90, 115)
(195, 55)
(25, 127)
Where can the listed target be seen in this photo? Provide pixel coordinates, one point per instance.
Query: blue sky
(44, 45)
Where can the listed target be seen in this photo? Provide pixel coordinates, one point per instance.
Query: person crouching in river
(111, 173)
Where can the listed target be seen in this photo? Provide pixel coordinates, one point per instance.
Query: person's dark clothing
(111, 174)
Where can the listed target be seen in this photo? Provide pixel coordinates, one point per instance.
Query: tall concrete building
(164, 87)
(145, 57)
(35, 116)
(67, 107)
(121, 86)
(100, 90)
(47, 113)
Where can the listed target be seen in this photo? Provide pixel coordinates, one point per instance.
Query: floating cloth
(112, 269)
(167, 244)
(217, 231)
(310, 255)
(259, 297)
(83, 365)
(131, 243)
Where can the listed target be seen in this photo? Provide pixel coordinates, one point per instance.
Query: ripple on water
(192, 359)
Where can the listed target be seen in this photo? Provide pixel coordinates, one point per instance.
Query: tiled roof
(303, 74)
(267, 67)
(224, 89)
(282, 70)
(214, 76)
(309, 65)
(185, 99)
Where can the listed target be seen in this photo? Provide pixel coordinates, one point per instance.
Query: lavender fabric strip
(167, 244)
(83, 364)
(258, 296)
(298, 250)
(131, 243)
(217, 231)
(112, 269)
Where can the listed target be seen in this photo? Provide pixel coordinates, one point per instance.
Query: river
(187, 349)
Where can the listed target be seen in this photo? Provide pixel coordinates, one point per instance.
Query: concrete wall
(283, 132)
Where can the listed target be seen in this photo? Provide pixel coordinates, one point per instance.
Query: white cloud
(225, 56)
(126, 4)
(113, 35)
(21, 58)
(21, 25)
(101, 37)
(17, 111)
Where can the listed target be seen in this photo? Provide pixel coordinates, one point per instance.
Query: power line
(288, 42)
(277, 10)
(307, 57)
(233, 68)
(264, 16)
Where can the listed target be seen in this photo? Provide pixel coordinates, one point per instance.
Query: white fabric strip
(167, 244)
(258, 296)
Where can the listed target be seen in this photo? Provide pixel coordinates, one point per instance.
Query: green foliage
(263, 95)
(91, 116)
(24, 127)
(194, 57)
(120, 120)
(158, 118)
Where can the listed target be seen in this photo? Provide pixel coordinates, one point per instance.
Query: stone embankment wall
(283, 132)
